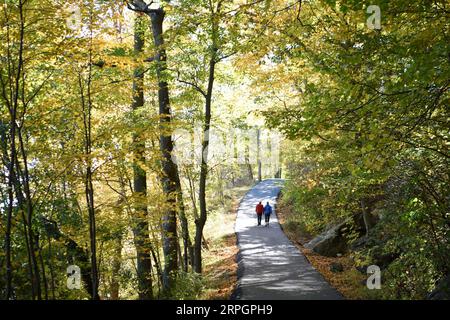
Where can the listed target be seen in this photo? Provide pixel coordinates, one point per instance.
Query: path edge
(237, 291)
(304, 255)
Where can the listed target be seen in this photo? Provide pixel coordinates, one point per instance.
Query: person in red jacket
(259, 212)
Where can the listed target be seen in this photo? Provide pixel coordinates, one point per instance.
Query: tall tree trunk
(169, 168)
(30, 264)
(192, 193)
(9, 291)
(159, 274)
(169, 175)
(89, 192)
(86, 104)
(44, 275)
(21, 203)
(116, 264)
(201, 221)
(50, 266)
(140, 215)
(247, 160)
(187, 244)
(89, 177)
(33, 243)
(15, 76)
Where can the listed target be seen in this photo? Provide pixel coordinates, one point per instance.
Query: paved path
(270, 266)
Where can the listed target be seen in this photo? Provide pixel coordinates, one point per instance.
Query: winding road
(270, 266)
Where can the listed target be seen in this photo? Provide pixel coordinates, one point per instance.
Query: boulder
(335, 240)
(359, 243)
(329, 243)
(381, 260)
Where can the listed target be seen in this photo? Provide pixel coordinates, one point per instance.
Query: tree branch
(192, 84)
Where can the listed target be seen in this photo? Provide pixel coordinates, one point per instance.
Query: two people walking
(266, 210)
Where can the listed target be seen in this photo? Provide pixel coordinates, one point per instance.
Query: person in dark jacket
(259, 212)
(267, 213)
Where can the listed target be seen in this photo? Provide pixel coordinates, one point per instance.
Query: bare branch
(192, 84)
(140, 6)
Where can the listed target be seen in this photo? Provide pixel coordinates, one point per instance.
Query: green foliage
(188, 286)
(368, 119)
(366, 112)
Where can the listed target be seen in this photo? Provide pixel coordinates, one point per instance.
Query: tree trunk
(44, 275)
(12, 104)
(258, 154)
(29, 210)
(116, 264)
(169, 168)
(140, 216)
(10, 206)
(201, 221)
(247, 161)
(50, 266)
(21, 203)
(187, 244)
(86, 104)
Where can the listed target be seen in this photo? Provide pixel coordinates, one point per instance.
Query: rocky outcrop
(335, 240)
(330, 243)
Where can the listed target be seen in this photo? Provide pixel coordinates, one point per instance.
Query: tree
(169, 178)
(18, 95)
(141, 227)
(366, 111)
(216, 27)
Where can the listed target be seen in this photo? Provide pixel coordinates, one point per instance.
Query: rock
(362, 269)
(441, 291)
(381, 260)
(384, 260)
(334, 241)
(329, 243)
(336, 267)
(380, 257)
(359, 243)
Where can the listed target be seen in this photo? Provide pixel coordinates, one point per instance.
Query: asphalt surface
(270, 266)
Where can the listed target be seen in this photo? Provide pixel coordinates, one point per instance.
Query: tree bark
(140, 217)
(201, 221)
(116, 265)
(9, 215)
(29, 209)
(86, 104)
(247, 160)
(169, 168)
(187, 244)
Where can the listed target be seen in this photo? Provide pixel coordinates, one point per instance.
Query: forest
(129, 131)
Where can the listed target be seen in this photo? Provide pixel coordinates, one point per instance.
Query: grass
(349, 282)
(220, 266)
